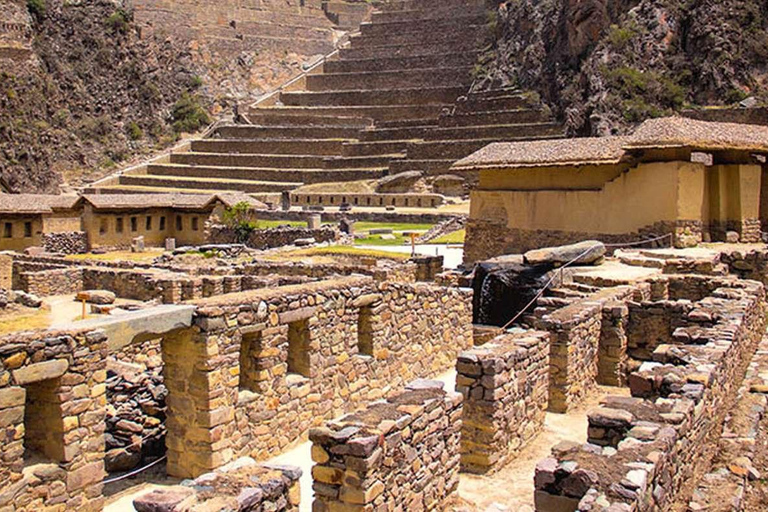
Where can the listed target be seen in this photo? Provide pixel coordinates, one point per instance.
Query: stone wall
(396, 454)
(575, 341)
(428, 267)
(367, 216)
(367, 200)
(242, 485)
(52, 409)
(270, 238)
(657, 443)
(505, 387)
(281, 360)
(69, 242)
(46, 283)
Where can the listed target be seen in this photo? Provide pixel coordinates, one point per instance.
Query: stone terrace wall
(69, 242)
(505, 386)
(573, 358)
(396, 454)
(269, 238)
(279, 361)
(242, 485)
(660, 441)
(52, 410)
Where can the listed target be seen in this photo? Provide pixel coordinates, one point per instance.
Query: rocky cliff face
(604, 65)
(83, 91)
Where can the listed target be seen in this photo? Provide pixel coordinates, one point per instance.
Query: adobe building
(692, 180)
(113, 220)
(61, 223)
(26, 218)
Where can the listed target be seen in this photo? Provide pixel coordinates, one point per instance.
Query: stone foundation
(398, 454)
(505, 384)
(269, 238)
(243, 485)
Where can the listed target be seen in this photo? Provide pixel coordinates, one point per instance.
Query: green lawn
(457, 237)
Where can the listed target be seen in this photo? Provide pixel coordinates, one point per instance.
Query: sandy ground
(452, 254)
(65, 309)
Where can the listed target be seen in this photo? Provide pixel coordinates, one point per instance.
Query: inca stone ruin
(397, 280)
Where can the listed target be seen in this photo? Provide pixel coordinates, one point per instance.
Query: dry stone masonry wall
(646, 451)
(281, 361)
(505, 386)
(401, 453)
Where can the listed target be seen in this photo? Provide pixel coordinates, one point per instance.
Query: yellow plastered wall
(639, 197)
(734, 192)
(17, 241)
(102, 227)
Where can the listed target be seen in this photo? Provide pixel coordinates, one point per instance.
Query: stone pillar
(314, 221)
(170, 244)
(612, 357)
(201, 404)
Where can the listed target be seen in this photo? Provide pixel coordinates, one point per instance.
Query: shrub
(134, 131)
(195, 82)
(620, 36)
(36, 8)
(188, 115)
(240, 218)
(118, 21)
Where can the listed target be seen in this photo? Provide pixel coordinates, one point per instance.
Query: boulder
(102, 297)
(163, 500)
(27, 299)
(303, 242)
(449, 185)
(121, 459)
(732, 237)
(398, 183)
(584, 253)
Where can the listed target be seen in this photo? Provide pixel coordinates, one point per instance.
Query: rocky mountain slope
(93, 93)
(604, 65)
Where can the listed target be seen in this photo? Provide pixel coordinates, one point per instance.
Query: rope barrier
(571, 262)
(135, 471)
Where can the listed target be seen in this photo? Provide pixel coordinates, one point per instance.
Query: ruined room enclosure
(255, 373)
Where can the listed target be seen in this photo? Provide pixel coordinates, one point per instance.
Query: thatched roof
(557, 152)
(175, 201)
(33, 204)
(664, 133)
(681, 132)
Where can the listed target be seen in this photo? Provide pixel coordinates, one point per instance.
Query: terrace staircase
(394, 99)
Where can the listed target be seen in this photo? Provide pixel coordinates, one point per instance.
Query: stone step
(234, 45)
(445, 149)
(438, 12)
(348, 7)
(459, 22)
(433, 166)
(444, 60)
(406, 123)
(286, 175)
(459, 76)
(400, 96)
(440, 47)
(286, 132)
(461, 132)
(355, 162)
(520, 115)
(376, 112)
(424, 5)
(476, 34)
(246, 160)
(504, 102)
(298, 116)
(297, 29)
(181, 182)
(269, 146)
(373, 148)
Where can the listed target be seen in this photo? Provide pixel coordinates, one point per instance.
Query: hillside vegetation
(604, 65)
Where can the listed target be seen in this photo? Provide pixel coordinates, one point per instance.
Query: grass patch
(457, 237)
(365, 226)
(342, 250)
(147, 255)
(268, 224)
(39, 319)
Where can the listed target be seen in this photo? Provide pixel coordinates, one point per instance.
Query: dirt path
(511, 488)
